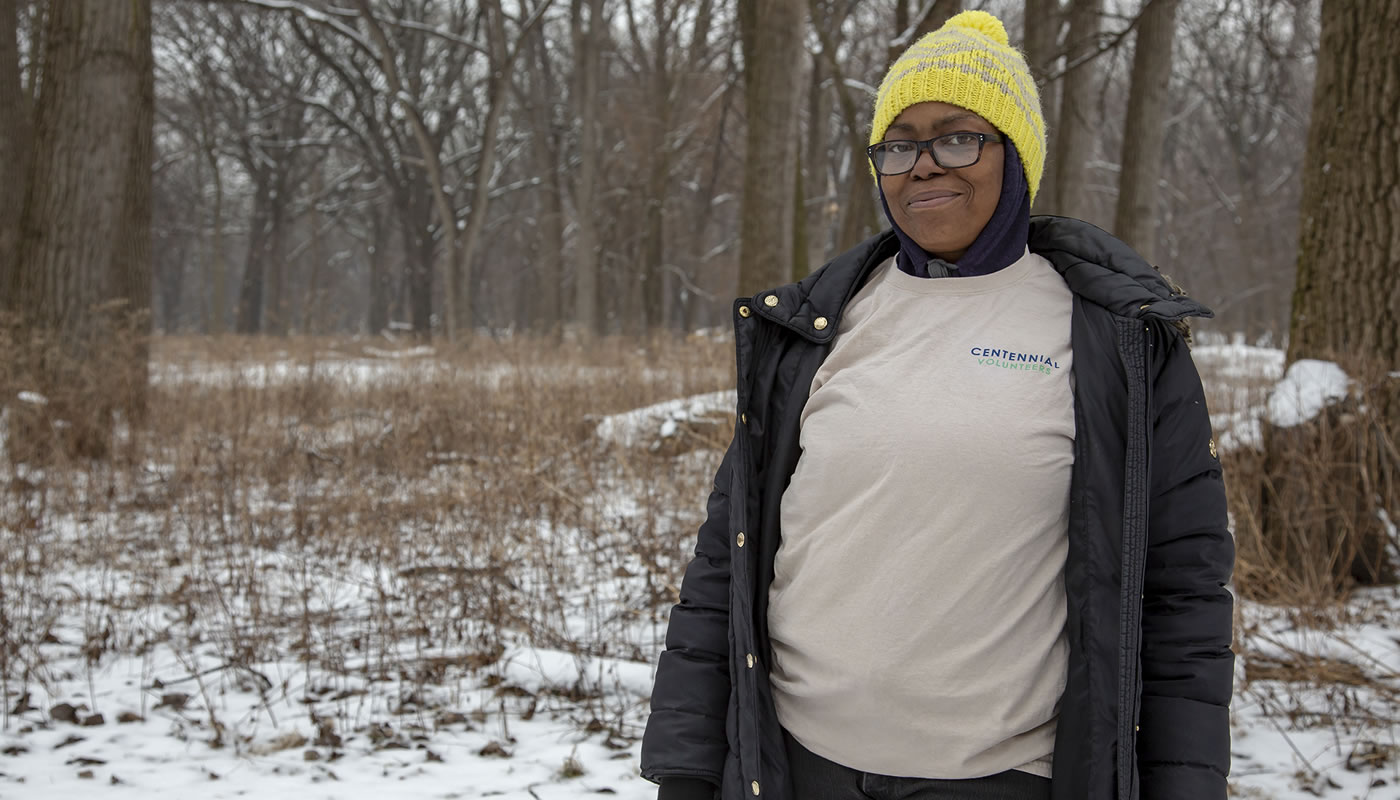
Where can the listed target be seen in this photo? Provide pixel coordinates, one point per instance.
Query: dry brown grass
(380, 514)
(373, 511)
(1310, 505)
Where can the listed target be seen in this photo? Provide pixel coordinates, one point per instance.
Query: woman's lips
(927, 200)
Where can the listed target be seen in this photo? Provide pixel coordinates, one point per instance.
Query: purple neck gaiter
(1000, 244)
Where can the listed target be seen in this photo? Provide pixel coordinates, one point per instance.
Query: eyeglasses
(949, 151)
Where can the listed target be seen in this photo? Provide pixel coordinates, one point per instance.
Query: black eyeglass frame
(927, 144)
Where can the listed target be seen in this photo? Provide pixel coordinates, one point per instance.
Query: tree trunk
(252, 290)
(547, 313)
(169, 264)
(1042, 44)
(380, 286)
(816, 178)
(801, 265)
(1073, 146)
(275, 266)
(14, 151)
(85, 248)
(1329, 480)
(934, 15)
(1144, 130)
(588, 45)
(418, 250)
(1042, 38)
(858, 215)
(653, 278)
(315, 315)
(771, 34)
(503, 57)
(218, 263)
(1347, 298)
(455, 289)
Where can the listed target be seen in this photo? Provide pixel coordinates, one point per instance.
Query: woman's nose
(924, 165)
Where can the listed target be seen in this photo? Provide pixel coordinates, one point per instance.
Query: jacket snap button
(771, 301)
(744, 311)
(819, 323)
(754, 786)
(744, 418)
(1214, 452)
(739, 539)
(749, 658)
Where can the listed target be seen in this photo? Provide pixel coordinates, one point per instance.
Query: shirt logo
(1014, 360)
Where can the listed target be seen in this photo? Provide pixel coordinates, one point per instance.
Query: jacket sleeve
(1187, 613)
(685, 736)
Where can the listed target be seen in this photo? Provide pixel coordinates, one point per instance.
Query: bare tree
(858, 216)
(596, 177)
(457, 290)
(1346, 307)
(1145, 128)
(1072, 146)
(670, 97)
(589, 41)
(1347, 299)
(1235, 144)
(14, 149)
(429, 45)
(501, 57)
(1041, 21)
(84, 254)
(771, 33)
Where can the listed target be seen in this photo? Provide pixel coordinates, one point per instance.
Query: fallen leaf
(64, 712)
(494, 749)
(173, 700)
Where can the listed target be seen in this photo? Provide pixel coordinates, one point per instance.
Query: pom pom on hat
(983, 23)
(970, 63)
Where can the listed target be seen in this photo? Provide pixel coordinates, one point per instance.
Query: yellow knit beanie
(970, 63)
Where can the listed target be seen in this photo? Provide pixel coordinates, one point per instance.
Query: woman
(970, 539)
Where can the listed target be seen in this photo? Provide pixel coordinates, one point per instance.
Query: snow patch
(1308, 387)
(33, 398)
(412, 352)
(662, 420)
(1239, 360)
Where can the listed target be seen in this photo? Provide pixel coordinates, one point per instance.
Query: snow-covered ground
(142, 680)
(481, 742)
(1316, 711)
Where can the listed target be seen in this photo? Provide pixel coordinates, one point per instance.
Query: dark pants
(815, 778)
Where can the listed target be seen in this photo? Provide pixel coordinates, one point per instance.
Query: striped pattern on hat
(969, 63)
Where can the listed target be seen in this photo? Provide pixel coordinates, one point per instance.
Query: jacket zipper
(1133, 561)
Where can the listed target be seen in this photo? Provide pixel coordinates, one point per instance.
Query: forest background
(367, 361)
(587, 156)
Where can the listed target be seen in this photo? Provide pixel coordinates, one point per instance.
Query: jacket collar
(1094, 264)
(812, 306)
(1104, 270)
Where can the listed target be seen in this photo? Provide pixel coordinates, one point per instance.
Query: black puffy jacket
(1144, 713)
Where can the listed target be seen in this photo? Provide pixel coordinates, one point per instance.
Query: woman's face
(943, 209)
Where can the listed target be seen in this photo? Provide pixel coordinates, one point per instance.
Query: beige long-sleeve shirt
(917, 610)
